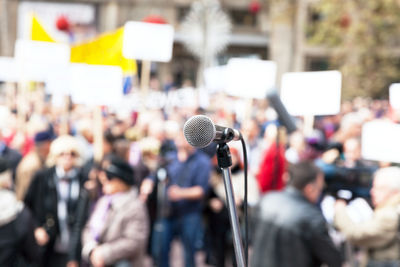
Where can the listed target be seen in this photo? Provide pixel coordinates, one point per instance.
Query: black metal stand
(224, 162)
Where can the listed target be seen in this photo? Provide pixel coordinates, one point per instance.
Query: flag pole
(145, 77)
(98, 141)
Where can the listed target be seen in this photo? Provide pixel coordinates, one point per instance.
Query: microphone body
(200, 132)
(283, 116)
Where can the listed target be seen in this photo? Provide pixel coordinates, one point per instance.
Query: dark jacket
(16, 232)
(12, 156)
(42, 200)
(290, 231)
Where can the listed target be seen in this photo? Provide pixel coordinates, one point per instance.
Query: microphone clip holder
(224, 162)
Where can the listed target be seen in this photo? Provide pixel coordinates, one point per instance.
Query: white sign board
(96, 84)
(58, 82)
(42, 52)
(215, 79)
(87, 84)
(380, 141)
(250, 78)
(394, 95)
(8, 70)
(148, 41)
(12, 70)
(36, 61)
(312, 93)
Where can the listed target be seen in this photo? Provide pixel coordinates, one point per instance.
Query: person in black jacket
(54, 197)
(17, 243)
(290, 229)
(12, 156)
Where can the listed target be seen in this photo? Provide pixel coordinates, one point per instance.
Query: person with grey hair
(53, 197)
(379, 234)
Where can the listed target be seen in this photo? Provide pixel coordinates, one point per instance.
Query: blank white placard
(250, 78)
(215, 78)
(96, 84)
(394, 95)
(312, 93)
(8, 69)
(148, 41)
(43, 52)
(380, 141)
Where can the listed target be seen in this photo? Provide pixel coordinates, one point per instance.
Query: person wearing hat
(117, 231)
(32, 162)
(16, 224)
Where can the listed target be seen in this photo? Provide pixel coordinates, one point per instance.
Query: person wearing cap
(16, 225)
(53, 197)
(117, 231)
(32, 162)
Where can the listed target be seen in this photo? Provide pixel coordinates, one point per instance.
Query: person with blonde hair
(53, 198)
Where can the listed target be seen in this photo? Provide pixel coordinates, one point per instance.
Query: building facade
(264, 29)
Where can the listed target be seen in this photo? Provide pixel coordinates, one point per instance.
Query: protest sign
(380, 141)
(36, 61)
(215, 79)
(394, 95)
(148, 41)
(8, 70)
(311, 93)
(250, 78)
(96, 84)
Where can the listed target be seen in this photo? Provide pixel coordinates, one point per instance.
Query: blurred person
(84, 135)
(188, 173)
(297, 147)
(32, 162)
(344, 168)
(116, 233)
(270, 174)
(379, 234)
(91, 165)
(218, 230)
(17, 242)
(350, 127)
(290, 229)
(53, 198)
(123, 148)
(169, 84)
(251, 132)
(12, 156)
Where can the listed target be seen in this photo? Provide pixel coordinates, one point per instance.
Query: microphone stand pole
(224, 162)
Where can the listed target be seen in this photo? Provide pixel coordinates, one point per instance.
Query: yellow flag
(104, 50)
(38, 33)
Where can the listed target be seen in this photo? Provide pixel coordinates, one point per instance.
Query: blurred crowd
(73, 194)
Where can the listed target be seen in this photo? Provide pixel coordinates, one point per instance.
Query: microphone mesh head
(199, 131)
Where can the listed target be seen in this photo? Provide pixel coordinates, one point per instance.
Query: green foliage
(365, 37)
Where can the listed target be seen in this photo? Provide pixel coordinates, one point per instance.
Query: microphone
(283, 115)
(200, 131)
